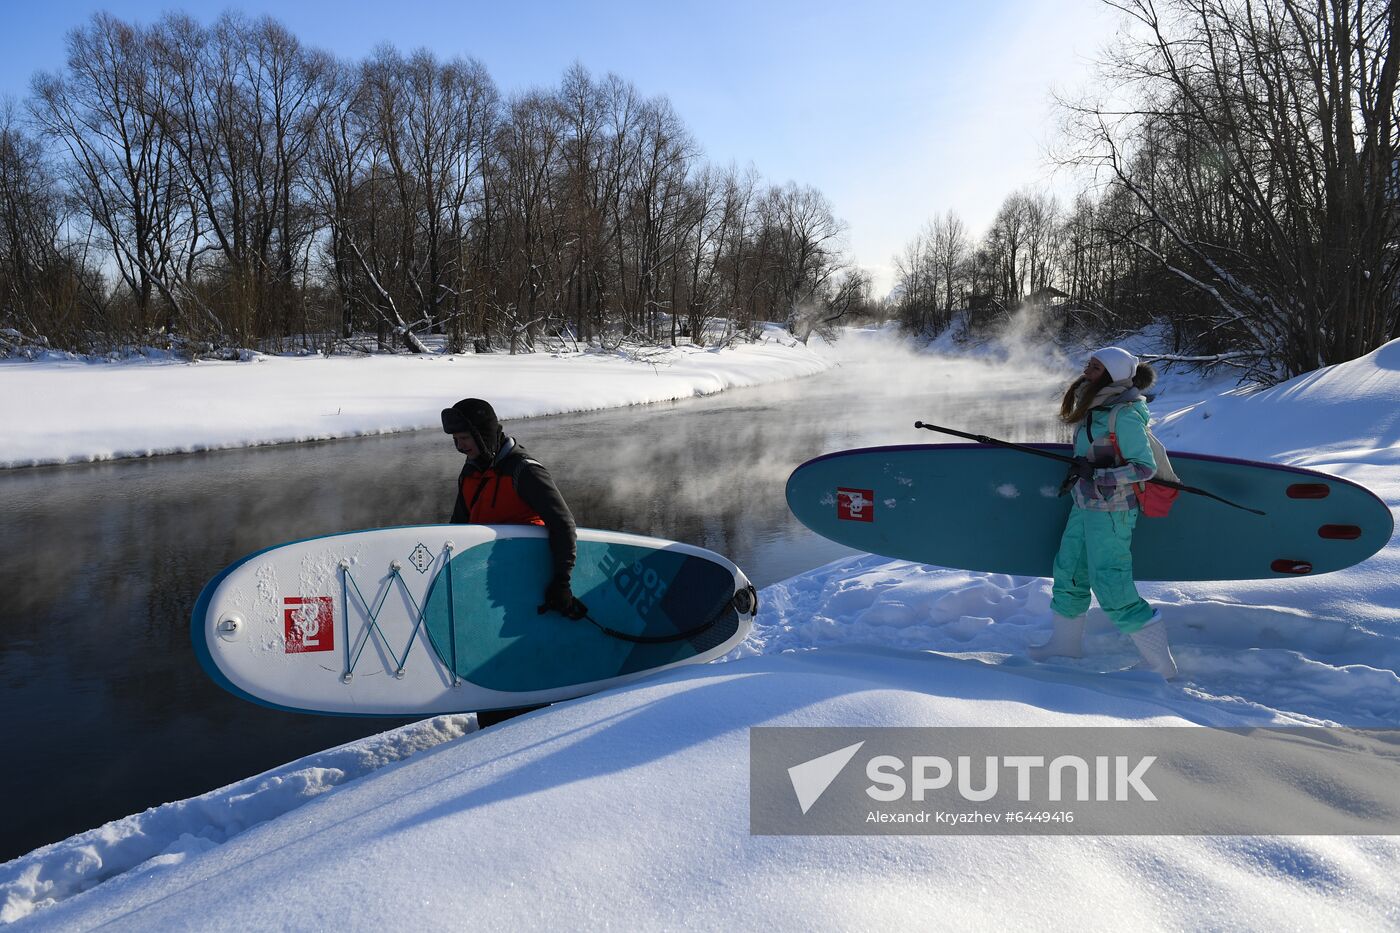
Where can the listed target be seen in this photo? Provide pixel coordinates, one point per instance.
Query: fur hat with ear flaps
(475, 417)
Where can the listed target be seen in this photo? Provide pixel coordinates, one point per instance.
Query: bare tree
(40, 286)
(241, 105)
(657, 193)
(948, 249)
(237, 182)
(1024, 241)
(528, 142)
(426, 117)
(338, 158)
(1263, 152)
(122, 168)
(806, 248)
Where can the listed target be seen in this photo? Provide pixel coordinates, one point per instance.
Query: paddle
(983, 439)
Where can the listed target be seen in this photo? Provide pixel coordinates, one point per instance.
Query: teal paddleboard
(444, 618)
(979, 507)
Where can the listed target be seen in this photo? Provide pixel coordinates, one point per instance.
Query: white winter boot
(1066, 640)
(1151, 641)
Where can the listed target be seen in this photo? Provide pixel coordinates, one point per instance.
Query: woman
(1095, 550)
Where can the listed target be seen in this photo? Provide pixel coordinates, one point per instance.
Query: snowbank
(65, 412)
(167, 835)
(1344, 413)
(630, 808)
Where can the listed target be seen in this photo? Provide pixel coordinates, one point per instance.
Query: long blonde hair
(1079, 397)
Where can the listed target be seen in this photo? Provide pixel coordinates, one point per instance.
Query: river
(106, 710)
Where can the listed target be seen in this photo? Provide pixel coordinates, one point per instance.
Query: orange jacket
(492, 499)
(517, 490)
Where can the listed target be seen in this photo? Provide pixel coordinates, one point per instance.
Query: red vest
(492, 500)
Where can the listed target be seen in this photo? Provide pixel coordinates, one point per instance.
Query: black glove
(559, 598)
(1079, 468)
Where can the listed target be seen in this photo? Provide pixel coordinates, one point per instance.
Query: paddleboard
(430, 619)
(979, 507)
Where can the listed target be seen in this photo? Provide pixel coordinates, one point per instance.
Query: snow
(166, 836)
(630, 808)
(67, 411)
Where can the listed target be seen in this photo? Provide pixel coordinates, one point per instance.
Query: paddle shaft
(983, 439)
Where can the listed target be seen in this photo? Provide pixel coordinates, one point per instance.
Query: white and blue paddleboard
(429, 619)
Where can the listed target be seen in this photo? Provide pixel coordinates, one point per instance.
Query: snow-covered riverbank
(630, 808)
(68, 411)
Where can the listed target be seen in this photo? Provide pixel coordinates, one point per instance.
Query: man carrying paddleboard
(502, 485)
(1113, 461)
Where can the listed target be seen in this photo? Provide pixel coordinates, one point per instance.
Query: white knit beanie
(1119, 362)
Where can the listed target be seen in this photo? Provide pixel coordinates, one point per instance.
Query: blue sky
(896, 109)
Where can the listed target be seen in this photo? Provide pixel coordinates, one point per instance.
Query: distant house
(984, 302)
(1047, 297)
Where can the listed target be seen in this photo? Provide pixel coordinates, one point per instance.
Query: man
(501, 485)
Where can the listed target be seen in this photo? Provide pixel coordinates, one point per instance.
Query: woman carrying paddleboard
(1095, 550)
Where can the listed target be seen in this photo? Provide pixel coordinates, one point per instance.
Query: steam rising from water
(713, 471)
(708, 471)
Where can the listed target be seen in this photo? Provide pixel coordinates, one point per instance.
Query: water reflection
(107, 712)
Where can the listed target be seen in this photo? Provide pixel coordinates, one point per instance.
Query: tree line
(1247, 161)
(226, 185)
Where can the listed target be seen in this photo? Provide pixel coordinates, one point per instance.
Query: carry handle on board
(983, 439)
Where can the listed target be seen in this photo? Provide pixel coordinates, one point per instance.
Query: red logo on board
(855, 505)
(310, 623)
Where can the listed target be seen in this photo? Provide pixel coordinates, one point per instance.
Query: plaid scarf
(1115, 393)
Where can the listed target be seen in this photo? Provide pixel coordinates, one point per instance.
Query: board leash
(747, 596)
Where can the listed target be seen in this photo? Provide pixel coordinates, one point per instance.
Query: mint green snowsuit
(1095, 550)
